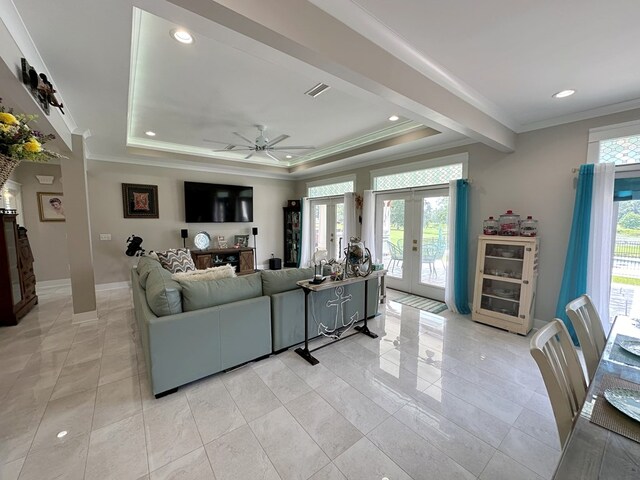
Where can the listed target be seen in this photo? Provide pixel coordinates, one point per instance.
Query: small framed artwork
(241, 241)
(140, 201)
(51, 206)
(222, 243)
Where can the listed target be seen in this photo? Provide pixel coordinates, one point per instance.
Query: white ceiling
(505, 59)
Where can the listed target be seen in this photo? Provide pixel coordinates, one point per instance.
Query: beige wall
(535, 180)
(48, 240)
(105, 203)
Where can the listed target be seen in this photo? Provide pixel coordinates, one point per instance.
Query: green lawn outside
(625, 280)
(431, 232)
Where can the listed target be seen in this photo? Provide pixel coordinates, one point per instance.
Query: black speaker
(184, 233)
(254, 230)
(275, 264)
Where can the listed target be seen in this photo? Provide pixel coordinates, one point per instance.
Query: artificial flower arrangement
(18, 141)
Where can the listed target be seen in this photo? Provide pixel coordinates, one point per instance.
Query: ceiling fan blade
(277, 140)
(270, 155)
(248, 156)
(250, 142)
(295, 147)
(213, 141)
(234, 150)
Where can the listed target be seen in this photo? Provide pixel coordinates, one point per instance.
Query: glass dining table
(592, 451)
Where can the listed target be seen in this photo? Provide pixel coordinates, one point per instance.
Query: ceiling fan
(261, 144)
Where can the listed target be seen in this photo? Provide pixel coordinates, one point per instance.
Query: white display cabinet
(505, 288)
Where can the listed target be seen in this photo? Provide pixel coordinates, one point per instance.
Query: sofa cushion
(212, 273)
(163, 293)
(176, 260)
(277, 281)
(145, 265)
(210, 293)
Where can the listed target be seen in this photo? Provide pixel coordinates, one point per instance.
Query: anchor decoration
(339, 320)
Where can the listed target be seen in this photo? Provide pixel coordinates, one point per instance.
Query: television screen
(209, 203)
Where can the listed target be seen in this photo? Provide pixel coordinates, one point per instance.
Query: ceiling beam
(307, 33)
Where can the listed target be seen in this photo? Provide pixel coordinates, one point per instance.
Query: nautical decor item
(357, 259)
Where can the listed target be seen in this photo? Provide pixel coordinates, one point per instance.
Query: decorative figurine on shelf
(357, 259)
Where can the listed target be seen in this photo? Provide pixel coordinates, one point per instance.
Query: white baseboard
(538, 324)
(84, 317)
(62, 282)
(101, 287)
(66, 282)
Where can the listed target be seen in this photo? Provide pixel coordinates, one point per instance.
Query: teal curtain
(574, 278)
(461, 248)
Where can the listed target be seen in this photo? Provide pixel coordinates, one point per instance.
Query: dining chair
(553, 351)
(586, 322)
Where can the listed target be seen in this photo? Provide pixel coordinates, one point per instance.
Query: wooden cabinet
(292, 233)
(17, 280)
(240, 258)
(505, 287)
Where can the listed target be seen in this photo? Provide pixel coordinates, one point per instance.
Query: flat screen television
(211, 203)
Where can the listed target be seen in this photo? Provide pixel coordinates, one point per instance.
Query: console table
(241, 258)
(308, 287)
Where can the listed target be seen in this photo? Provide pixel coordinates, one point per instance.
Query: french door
(327, 214)
(411, 233)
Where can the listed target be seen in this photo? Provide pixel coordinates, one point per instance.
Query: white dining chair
(586, 322)
(553, 351)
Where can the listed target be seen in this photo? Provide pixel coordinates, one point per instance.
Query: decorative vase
(7, 165)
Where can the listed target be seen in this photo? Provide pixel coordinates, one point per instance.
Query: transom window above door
(335, 187)
(425, 173)
(621, 151)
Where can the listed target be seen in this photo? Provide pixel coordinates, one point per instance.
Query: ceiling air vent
(317, 90)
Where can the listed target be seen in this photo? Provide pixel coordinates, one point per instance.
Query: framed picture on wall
(140, 201)
(51, 206)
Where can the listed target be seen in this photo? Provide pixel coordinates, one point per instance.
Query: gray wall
(534, 180)
(48, 240)
(105, 204)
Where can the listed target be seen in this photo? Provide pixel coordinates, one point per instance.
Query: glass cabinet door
(12, 254)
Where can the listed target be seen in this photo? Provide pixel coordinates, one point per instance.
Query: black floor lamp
(254, 230)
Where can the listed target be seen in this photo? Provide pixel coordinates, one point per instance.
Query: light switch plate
(105, 236)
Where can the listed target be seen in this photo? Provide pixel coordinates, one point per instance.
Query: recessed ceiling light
(62, 434)
(393, 118)
(182, 36)
(288, 156)
(564, 93)
(149, 133)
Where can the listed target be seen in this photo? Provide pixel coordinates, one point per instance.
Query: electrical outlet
(105, 236)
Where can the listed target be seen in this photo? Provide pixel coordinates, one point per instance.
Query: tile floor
(434, 397)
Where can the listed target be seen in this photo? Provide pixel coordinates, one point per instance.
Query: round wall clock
(202, 240)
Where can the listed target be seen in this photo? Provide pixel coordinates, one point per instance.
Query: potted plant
(19, 142)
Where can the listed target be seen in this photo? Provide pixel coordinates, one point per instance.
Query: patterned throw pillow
(176, 260)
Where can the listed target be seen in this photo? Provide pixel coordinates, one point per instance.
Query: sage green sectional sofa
(190, 330)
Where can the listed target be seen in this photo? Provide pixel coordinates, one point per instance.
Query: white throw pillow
(213, 273)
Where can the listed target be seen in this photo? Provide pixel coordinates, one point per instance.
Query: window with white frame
(331, 188)
(420, 174)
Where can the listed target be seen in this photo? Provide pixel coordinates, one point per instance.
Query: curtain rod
(414, 189)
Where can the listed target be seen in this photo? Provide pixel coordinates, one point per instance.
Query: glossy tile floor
(435, 397)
